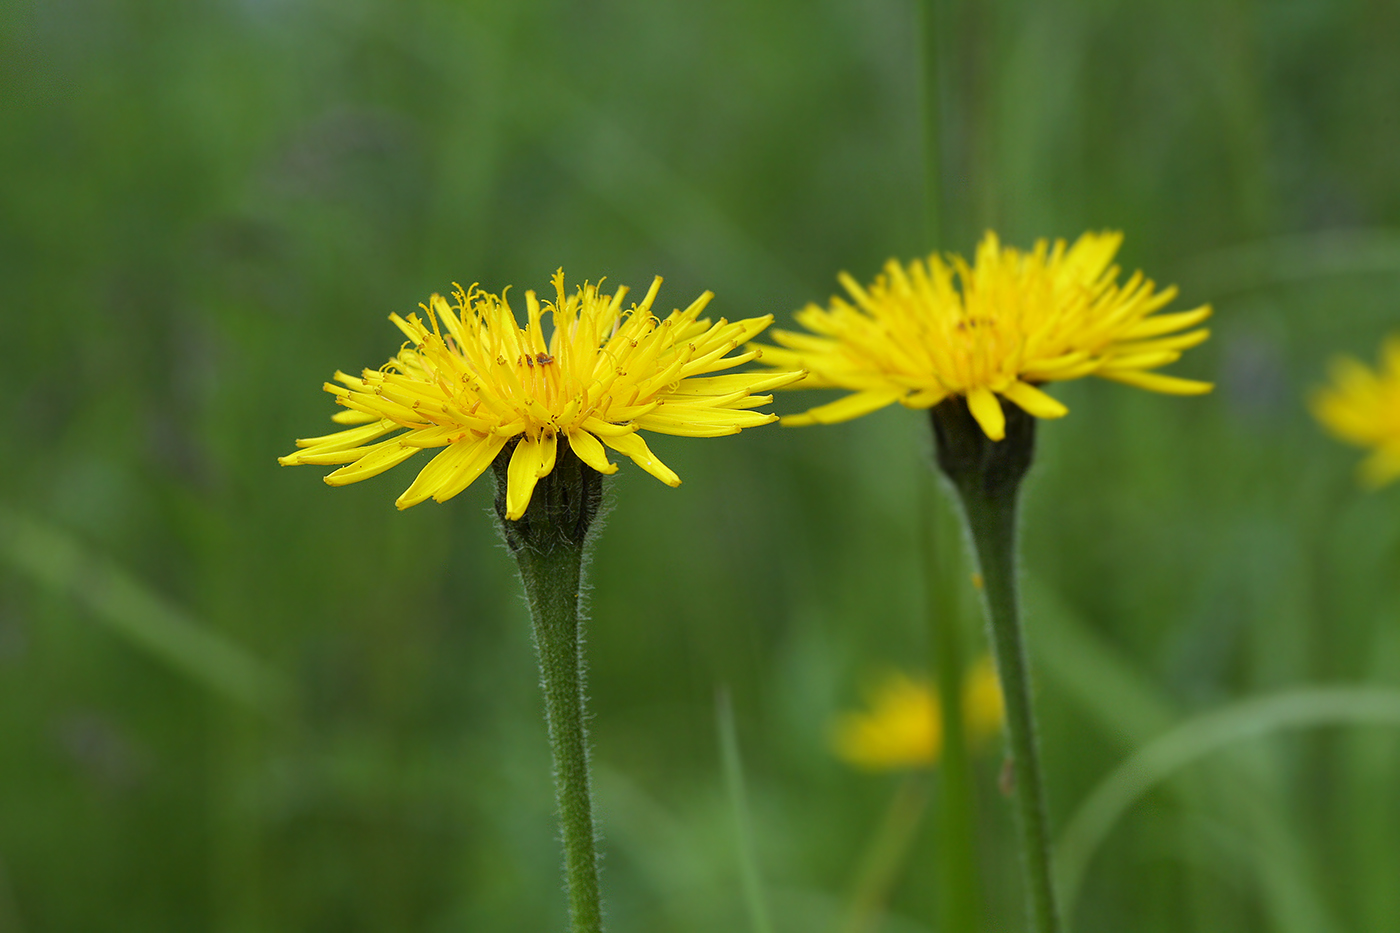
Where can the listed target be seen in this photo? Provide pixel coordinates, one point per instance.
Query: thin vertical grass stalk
(957, 875)
(957, 856)
(987, 476)
(931, 115)
(885, 857)
(550, 544)
(752, 881)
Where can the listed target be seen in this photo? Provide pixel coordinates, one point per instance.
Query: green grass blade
(132, 610)
(886, 856)
(756, 905)
(1128, 705)
(1287, 260)
(1199, 737)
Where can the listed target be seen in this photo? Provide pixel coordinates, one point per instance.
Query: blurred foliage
(206, 208)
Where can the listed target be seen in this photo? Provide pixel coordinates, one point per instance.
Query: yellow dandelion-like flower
(904, 725)
(1362, 407)
(471, 380)
(999, 328)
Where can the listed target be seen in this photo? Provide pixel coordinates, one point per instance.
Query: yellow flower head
(904, 726)
(470, 379)
(1362, 407)
(1001, 327)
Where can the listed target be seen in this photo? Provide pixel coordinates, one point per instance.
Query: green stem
(549, 543)
(992, 524)
(987, 476)
(551, 581)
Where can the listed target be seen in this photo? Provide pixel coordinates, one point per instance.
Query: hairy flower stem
(987, 475)
(549, 543)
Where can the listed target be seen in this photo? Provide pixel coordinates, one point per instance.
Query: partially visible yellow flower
(904, 725)
(1362, 407)
(984, 707)
(903, 729)
(470, 380)
(995, 330)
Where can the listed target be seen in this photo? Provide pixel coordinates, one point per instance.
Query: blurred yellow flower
(1362, 407)
(983, 705)
(1013, 321)
(904, 725)
(471, 380)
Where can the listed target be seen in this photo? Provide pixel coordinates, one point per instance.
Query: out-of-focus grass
(207, 208)
(1196, 738)
(140, 617)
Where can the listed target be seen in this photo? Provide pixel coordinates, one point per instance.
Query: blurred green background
(233, 699)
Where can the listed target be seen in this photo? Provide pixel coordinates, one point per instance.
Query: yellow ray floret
(990, 332)
(904, 725)
(1362, 407)
(470, 380)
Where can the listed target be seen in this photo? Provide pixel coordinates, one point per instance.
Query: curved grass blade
(1199, 737)
(754, 902)
(143, 617)
(1129, 707)
(1286, 260)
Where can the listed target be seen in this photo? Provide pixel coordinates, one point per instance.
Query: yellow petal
(318, 457)
(844, 409)
(371, 465)
(522, 476)
(446, 469)
(736, 382)
(350, 416)
(987, 410)
(782, 359)
(432, 437)
(1166, 323)
(549, 447)
(703, 422)
(1177, 342)
(924, 398)
(344, 442)
(632, 445)
(351, 438)
(1034, 401)
(1141, 361)
(605, 428)
(1156, 382)
(470, 469)
(590, 451)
